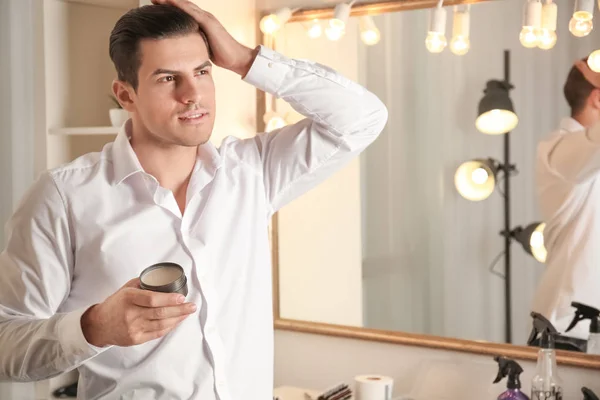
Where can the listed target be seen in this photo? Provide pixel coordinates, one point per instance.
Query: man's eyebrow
(160, 71)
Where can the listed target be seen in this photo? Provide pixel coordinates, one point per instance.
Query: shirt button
(270, 65)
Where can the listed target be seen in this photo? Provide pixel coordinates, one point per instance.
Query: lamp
(271, 23)
(594, 61)
(532, 239)
(532, 22)
(496, 111)
(581, 23)
(460, 43)
(337, 25)
(369, 33)
(547, 35)
(436, 35)
(476, 179)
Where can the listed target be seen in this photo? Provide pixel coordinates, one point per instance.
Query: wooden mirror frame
(397, 337)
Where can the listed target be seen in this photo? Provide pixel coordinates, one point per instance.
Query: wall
(319, 362)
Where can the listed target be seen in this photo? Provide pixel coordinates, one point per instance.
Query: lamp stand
(507, 168)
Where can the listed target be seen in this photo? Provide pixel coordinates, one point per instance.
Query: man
(568, 188)
(69, 296)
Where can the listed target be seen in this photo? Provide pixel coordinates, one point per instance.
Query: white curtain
(427, 251)
(17, 115)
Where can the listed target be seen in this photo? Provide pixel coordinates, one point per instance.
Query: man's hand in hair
(226, 52)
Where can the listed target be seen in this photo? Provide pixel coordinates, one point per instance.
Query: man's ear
(123, 92)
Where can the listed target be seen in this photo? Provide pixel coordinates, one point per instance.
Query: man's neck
(171, 165)
(587, 118)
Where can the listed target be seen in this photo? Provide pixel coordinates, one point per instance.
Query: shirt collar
(126, 163)
(571, 125)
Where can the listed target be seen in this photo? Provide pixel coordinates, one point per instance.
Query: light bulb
(580, 28)
(315, 30)
(460, 45)
(546, 39)
(594, 61)
(368, 31)
(528, 37)
(479, 176)
(370, 37)
(269, 24)
(333, 33)
(436, 42)
(275, 122)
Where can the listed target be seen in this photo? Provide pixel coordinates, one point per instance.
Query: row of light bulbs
(539, 26)
(335, 28)
(538, 29)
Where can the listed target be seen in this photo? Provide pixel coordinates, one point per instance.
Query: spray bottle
(540, 323)
(511, 369)
(588, 394)
(593, 314)
(546, 384)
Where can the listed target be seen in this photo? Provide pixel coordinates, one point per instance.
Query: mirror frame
(519, 352)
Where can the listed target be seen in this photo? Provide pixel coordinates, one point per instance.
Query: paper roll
(373, 387)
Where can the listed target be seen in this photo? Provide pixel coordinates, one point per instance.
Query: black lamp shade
(496, 114)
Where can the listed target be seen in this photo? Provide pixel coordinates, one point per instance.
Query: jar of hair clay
(164, 277)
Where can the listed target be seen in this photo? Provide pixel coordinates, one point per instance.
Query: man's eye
(203, 72)
(168, 78)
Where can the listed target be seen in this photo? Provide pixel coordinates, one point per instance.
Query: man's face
(175, 99)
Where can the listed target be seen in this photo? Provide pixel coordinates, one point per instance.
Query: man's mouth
(192, 117)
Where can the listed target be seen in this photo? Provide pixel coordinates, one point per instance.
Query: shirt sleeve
(575, 156)
(342, 119)
(36, 269)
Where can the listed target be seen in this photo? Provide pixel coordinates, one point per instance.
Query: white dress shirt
(86, 228)
(568, 190)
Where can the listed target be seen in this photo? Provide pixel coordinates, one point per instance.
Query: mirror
(388, 248)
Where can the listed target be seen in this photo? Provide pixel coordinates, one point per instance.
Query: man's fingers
(133, 283)
(147, 298)
(156, 313)
(159, 325)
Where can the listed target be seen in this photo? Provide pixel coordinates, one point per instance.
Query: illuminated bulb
(315, 29)
(547, 35)
(436, 38)
(460, 43)
(435, 42)
(581, 23)
(369, 33)
(333, 33)
(594, 61)
(479, 176)
(271, 23)
(532, 23)
(546, 39)
(340, 16)
(580, 28)
(275, 122)
(528, 37)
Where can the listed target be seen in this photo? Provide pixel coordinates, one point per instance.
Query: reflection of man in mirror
(568, 190)
(69, 293)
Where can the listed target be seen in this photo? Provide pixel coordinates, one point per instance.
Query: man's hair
(152, 22)
(577, 90)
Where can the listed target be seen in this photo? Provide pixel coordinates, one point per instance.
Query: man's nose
(190, 92)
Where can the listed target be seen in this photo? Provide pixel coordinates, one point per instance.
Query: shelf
(88, 130)
(120, 4)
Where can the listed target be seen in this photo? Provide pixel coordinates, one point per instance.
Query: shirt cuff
(268, 70)
(71, 336)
